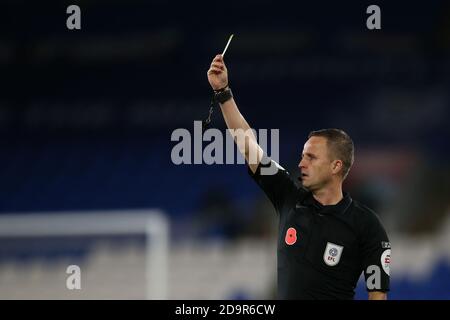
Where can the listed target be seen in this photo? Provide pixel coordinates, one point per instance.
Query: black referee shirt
(322, 250)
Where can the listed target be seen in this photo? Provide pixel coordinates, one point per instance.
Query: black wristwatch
(222, 95)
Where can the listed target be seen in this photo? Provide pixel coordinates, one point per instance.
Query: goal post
(153, 223)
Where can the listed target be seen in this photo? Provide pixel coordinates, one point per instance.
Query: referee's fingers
(218, 65)
(215, 70)
(218, 58)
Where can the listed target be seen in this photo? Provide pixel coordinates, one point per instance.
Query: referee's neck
(329, 195)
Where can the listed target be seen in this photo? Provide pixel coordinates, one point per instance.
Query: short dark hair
(340, 144)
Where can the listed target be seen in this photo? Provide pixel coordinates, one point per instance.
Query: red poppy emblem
(291, 236)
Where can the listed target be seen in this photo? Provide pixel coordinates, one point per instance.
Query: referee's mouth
(302, 176)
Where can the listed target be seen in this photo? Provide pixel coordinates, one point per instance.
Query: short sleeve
(376, 254)
(275, 181)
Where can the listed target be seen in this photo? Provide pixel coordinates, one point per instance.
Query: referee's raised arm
(241, 131)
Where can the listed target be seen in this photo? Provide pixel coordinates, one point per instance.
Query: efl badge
(291, 236)
(386, 261)
(332, 254)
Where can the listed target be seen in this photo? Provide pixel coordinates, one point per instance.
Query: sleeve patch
(386, 260)
(385, 245)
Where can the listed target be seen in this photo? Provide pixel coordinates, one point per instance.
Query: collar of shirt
(339, 207)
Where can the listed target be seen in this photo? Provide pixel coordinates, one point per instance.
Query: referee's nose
(301, 164)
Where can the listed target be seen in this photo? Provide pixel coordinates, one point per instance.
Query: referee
(326, 239)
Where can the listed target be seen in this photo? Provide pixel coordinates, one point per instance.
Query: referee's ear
(336, 166)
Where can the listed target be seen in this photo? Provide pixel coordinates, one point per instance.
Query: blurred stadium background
(86, 117)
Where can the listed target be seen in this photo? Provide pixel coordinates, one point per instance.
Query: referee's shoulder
(365, 215)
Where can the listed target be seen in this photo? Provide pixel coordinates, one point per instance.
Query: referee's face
(315, 165)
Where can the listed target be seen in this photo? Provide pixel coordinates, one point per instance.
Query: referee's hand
(217, 73)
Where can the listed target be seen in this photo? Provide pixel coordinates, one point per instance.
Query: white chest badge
(332, 254)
